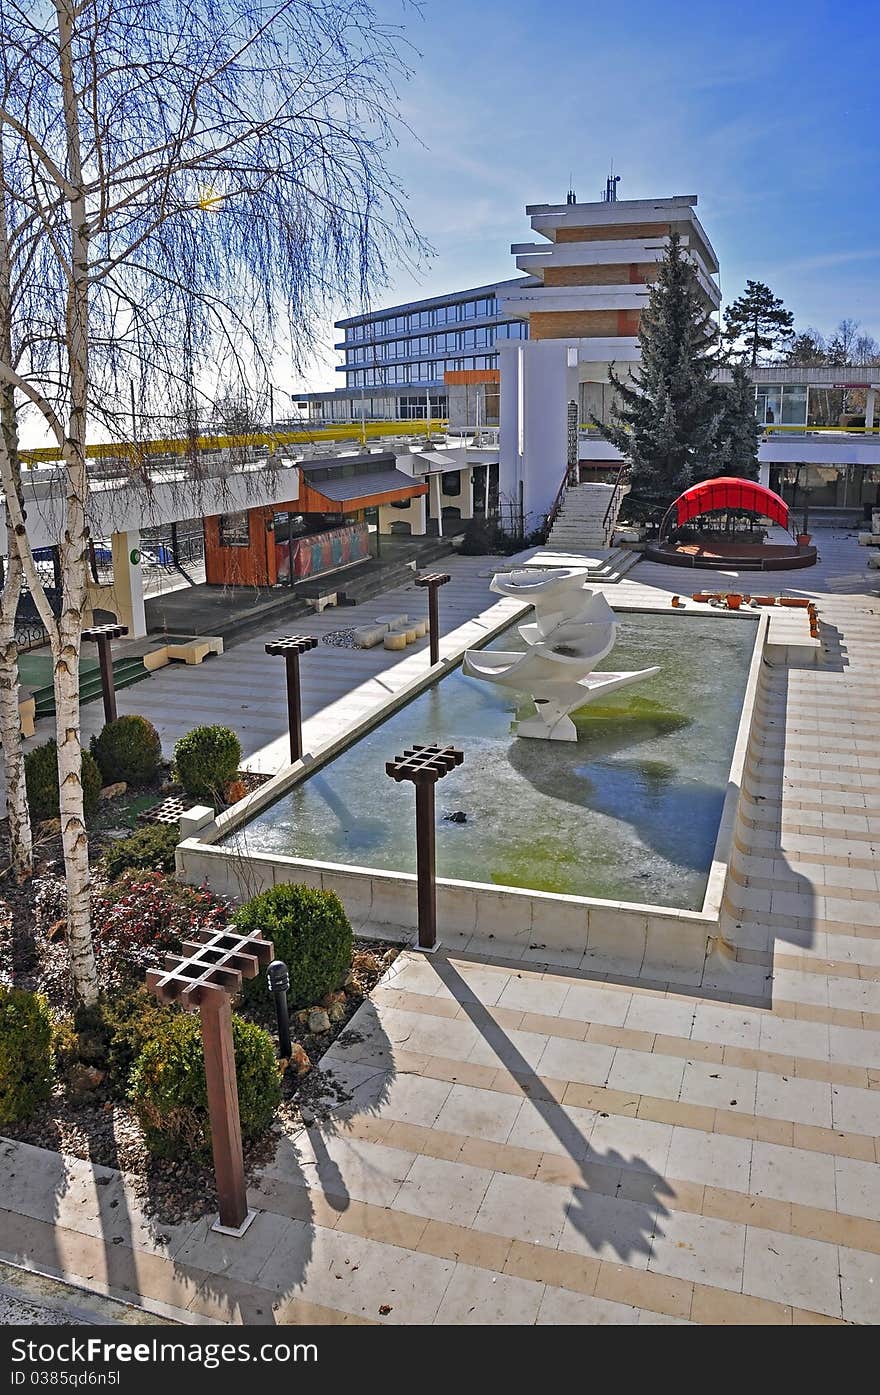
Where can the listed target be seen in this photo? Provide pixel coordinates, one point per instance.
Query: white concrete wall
(537, 383)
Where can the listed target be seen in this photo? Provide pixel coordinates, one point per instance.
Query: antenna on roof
(570, 197)
(611, 184)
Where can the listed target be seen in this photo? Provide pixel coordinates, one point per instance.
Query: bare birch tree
(198, 178)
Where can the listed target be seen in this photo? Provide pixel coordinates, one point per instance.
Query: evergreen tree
(664, 415)
(759, 318)
(735, 443)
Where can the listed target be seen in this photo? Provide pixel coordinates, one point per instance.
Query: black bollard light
(279, 982)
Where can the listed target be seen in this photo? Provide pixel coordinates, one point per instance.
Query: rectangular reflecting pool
(628, 813)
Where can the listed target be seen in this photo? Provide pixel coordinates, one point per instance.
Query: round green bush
(25, 1054)
(310, 932)
(110, 1034)
(128, 749)
(149, 849)
(170, 1096)
(41, 782)
(206, 759)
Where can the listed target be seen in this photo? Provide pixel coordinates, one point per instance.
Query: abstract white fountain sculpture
(573, 629)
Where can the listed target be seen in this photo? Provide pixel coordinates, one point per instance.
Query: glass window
(450, 482)
(794, 405)
(235, 530)
(768, 404)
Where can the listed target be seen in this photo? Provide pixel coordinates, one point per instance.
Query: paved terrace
(533, 1142)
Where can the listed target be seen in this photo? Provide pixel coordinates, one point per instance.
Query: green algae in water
(628, 812)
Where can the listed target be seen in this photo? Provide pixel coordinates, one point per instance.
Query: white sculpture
(573, 629)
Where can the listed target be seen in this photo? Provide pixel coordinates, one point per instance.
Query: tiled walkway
(541, 1143)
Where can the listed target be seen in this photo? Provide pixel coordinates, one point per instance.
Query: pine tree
(664, 415)
(760, 319)
(735, 442)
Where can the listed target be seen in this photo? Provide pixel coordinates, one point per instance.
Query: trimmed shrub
(206, 759)
(128, 749)
(145, 914)
(310, 932)
(25, 1054)
(170, 1096)
(150, 848)
(111, 1034)
(41, 781)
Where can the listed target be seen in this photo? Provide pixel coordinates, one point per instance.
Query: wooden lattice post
(291, 648)
(102, 636)
(433, 581)
(206, 975)
(424, 766)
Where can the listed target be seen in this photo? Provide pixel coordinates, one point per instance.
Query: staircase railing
(569, 478)
(609, 522)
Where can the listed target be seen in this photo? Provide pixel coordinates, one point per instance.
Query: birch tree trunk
(74, 549)
(20, 841)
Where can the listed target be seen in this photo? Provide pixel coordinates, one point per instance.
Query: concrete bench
(188, 650)
(27, 708)
(365, 636)
(394, 639)
(869, 539)
(389, 621)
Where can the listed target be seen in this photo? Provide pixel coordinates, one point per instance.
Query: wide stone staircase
(581, 525)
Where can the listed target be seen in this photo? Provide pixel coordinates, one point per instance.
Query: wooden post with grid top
(291, 648)
(432, 581)
(423, 766)
(102, 636)
(205, 976)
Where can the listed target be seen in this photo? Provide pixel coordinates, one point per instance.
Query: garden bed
(87, 1115)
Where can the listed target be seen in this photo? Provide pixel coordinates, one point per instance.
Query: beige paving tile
(646, 1074)
(860, 1286)
(553, 1128)
(857, 1186)
(588, 1003)
(604, 1227)
(802, 1101)
(585, 1062)
(523, 1210)
(792, 1174)
(802, 1271)
(443, 1191)
(561, 1307)
(480, 1297)
(482, 1114)
(713, 1159)
(719, 1086)
(699, 1248)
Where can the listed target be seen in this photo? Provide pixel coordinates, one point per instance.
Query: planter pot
(765, 600)
(734, 601)
(798, 601)
(803, 539)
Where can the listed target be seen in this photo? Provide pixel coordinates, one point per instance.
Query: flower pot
(734, 601)
(765, 600)
(803, 539)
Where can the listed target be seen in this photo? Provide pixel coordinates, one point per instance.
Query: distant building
(396, 361)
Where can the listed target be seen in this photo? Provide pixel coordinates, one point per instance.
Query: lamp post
(279, 982)
(432, 581)
(291, 648)
(102, 635)
(423, 766)
(205, 976)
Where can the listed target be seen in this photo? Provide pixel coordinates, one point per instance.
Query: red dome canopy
(728, 492)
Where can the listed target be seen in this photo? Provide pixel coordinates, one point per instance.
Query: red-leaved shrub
(144, 915)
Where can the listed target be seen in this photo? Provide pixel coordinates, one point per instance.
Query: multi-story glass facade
(417, 343)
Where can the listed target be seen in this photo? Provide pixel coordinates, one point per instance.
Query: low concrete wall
(656, 942)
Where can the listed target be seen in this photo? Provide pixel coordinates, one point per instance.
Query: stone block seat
(187, 649)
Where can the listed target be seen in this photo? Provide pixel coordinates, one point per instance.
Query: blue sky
(769, 112)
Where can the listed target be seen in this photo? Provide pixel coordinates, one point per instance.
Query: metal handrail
(622, 477)
(570, 470)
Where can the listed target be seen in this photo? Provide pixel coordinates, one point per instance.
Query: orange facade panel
(465, 377)
(312, 501)
(240, 548)
(616, 232)
(584, 324)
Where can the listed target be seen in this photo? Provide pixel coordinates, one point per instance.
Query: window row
(425, 319)
(422, 372)
(482, 338)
